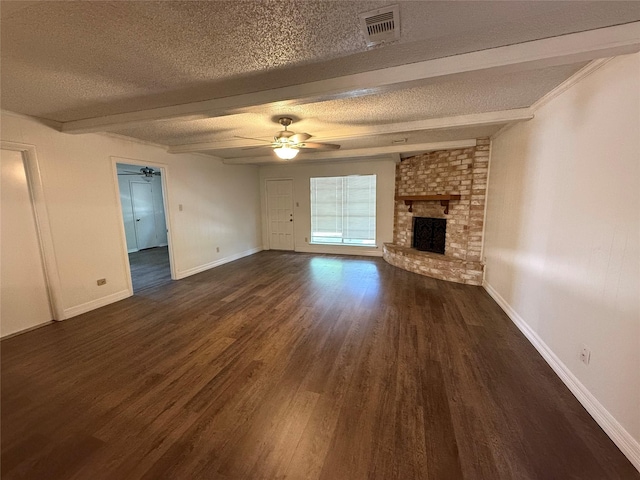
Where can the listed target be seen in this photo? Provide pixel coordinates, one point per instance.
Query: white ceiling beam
(354, 132)
(388, 151)
(565, 49)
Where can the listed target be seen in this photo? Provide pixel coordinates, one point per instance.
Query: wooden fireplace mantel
(443, 199)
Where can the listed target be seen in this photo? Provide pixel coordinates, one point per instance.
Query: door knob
(137, 219)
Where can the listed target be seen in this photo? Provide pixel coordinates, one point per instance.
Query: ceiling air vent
(382, 25)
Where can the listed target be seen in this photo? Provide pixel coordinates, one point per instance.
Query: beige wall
(562, 235)
(221, 208)
(24, 298)
(301, 174)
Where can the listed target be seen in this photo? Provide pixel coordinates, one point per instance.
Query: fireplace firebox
(429, 234)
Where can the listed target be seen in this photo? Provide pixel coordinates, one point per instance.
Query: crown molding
(43, 121)
(574, 79)
(581, 74)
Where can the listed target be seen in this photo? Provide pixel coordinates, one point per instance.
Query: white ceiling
(194, 75)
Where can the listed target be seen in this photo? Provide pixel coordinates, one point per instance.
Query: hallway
(150, 268)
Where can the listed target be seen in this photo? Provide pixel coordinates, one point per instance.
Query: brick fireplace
(460, 172)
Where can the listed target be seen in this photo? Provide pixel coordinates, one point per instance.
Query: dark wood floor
(285, 365)
(150, 268)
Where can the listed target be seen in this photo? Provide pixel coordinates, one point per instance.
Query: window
(343, 210)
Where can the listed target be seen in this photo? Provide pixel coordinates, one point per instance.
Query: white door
(143, 214)
(280, 213)
(24, 298)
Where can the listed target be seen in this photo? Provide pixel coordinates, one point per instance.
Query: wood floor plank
(294, 366)
(441, 446)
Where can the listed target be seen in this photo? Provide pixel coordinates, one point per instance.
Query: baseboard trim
(207, 266)
(28, 329)
(628, 445)
(334, 250)
(97, 303)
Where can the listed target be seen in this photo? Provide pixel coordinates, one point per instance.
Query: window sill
(344, 245)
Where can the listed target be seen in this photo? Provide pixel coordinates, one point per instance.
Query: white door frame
(164, 174)
(293, 209)
(43, 226)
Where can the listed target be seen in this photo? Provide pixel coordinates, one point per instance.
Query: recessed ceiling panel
(373, 142)
(461, 95)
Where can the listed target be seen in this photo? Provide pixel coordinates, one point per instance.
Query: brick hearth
(462, 172)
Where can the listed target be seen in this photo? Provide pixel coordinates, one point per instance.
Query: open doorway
(145, 224)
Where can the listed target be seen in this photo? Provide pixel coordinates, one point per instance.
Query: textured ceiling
(471, 94)
(75, 60)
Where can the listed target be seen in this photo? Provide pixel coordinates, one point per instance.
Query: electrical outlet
(585, 354)
(217, 249)
(180, 207)
(101, 281)
(306, 239)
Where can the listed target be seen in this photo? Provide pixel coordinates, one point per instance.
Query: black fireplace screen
(429, 234)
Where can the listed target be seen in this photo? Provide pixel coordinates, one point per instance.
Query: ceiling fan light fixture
(287, 145)
(285, 152)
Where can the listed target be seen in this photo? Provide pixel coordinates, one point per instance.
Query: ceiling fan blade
(319, 146)
(129, 173)
(251, 138)
(299, 137)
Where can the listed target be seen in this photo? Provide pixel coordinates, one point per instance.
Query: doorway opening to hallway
(142, 199)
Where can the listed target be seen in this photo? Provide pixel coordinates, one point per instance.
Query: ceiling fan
(287, 145)
(144, 171)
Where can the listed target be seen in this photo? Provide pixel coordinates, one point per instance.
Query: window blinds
(343, 210)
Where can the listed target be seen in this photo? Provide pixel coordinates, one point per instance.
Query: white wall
(562, 235)
(221, 208)
(301, 175)
(24, 298)
(126, 202)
